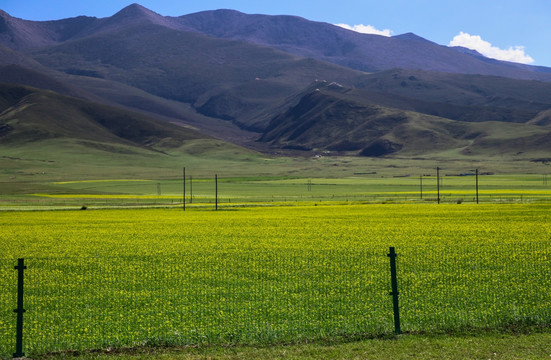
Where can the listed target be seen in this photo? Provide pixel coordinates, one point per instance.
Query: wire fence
(490, 286)
(266, 297)
(249, 297)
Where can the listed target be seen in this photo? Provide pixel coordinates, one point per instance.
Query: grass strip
(485, 345)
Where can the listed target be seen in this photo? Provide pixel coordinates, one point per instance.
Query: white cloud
(475, 42)
(366, 29)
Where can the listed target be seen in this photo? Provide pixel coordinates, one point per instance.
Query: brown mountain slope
(29, 115)
(329, 119)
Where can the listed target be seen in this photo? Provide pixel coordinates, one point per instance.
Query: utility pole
(190, 189)
(421, 185)
(438, 183)
(184, 189)
(477, 186)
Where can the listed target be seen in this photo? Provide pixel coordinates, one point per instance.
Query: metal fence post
(394, 283)
(19, 331)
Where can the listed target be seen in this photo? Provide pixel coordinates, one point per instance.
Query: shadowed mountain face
(223, 79)
(16, 74)
(282, 80)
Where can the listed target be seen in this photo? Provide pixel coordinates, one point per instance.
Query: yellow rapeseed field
(105, 278)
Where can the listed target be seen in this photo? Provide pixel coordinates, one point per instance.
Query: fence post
(394, 283)
(19, 331)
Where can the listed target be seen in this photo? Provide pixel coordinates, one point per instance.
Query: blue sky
(514, 30)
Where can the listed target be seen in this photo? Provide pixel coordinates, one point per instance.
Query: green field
(101, 176)
(270, 190)
(271, 274)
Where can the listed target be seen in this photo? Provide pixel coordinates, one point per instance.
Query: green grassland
(67, 173)
(201, 190)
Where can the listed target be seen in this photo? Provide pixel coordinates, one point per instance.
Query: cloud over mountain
(366, 29)
(475, 42)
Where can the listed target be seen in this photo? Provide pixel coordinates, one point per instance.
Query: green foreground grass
(491, 345)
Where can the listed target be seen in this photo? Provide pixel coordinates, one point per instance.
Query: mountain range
(270, 83)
